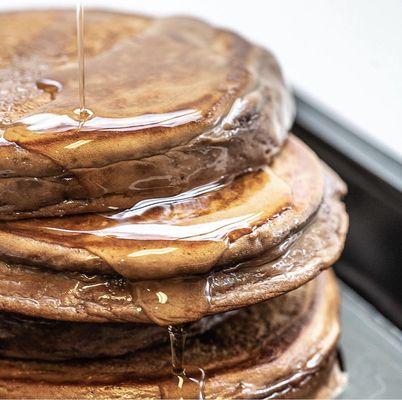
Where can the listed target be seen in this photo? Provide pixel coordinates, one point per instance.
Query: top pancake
(177, 104)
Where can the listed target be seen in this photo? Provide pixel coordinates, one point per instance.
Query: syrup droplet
(186, 383)
(83, 114)
(178, 336)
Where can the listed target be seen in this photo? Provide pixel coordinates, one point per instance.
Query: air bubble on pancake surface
(18, 87)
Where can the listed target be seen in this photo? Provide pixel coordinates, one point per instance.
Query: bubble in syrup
(49, 86)
(83, 114)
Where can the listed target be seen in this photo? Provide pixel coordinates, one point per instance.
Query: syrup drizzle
(43, 123)
(82, 112)
(186, 383)
(189, 382)
(178, 336)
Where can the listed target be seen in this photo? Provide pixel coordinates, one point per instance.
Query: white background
(346, 55)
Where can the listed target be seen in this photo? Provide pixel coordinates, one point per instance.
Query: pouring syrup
(82, 112)
(187, 383)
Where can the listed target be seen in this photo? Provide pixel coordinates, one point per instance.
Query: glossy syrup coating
(282, 348)
(188, 234)
(211, 105)
(87, 297)
(184, 218)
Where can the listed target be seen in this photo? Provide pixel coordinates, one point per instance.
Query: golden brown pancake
(189, 234)
(209, 105)
(282, 348)
(87, 297)
(180, 199)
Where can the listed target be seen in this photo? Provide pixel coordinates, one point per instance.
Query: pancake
(60, 340)
(189, 234)
(212, 105)
(176, 199)
(74, 296)
(281, 348)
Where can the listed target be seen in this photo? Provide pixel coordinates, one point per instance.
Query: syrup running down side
(168, 236)
(72, 296)
(187, 385)
(187, 382)
(191, 233)
(284, 346)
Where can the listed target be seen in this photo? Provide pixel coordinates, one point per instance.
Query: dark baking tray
(371, 347)
(370, 267)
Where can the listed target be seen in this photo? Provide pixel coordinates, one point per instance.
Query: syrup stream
(82, 112)
(178, 336)
(189, 384)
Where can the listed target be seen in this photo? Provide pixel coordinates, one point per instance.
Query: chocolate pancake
(59, 340)
(283, 348)
(209, 105)
(188, 234)
(89, 297)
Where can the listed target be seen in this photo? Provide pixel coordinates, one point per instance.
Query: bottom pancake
(283, 348)
(62, 340)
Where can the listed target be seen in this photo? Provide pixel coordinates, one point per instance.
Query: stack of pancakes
(183, 200)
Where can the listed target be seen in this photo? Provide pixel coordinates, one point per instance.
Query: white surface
(346, 55)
